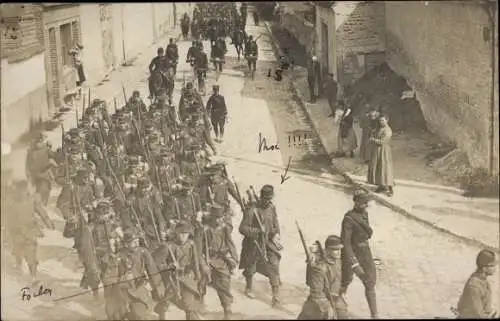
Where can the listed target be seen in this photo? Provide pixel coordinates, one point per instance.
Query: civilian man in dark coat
(217, 109)
(313, 77)
(356, 255)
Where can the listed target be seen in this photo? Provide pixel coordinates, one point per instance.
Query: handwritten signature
(263, 145)
(27, 293)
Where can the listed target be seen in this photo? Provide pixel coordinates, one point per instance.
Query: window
(66, 44)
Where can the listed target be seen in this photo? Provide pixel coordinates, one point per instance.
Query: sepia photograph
(295, 160)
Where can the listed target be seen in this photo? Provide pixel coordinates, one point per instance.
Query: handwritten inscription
(263, 145)
(27, 293)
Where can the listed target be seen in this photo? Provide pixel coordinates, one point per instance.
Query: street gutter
(336, 169)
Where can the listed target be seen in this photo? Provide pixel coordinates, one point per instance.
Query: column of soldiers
(149, 211)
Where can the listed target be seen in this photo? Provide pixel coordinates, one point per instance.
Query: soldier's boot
(371, 298)
(227, 313)
(248, 289)
(276, 302)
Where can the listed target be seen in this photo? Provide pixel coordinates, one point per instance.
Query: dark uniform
(217, 109)
(38, 167)
(22, 228)
(356, 254)
(220, 256)
(252, 259)
(180, 265)
(475, 301)
(252, 53)
(201, 64)
(136, 267)
(172, 55)
(324, 279)
(219, 50)
(136, 105)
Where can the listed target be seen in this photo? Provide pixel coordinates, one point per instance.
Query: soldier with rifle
(179, 262)
(138, 278)
(219, 257)
(323, 277)
(136, 105)
(260, 251)
(21, 224)
(39, 162)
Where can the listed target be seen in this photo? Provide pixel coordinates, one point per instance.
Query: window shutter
(53, 67)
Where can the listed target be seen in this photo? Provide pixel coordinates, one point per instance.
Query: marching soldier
(22, 227)
(179, 262)
(39, 160)
(356, 254)
(190, 102)
(201, 64)
(217, 109)
(475, 301)
(136, 105)
(75, 196)
(220, 256)
(217, 188)
(192, 53)
(324, 301)
(168, 169)
(148, 204)
(260, 251)
(138, 278)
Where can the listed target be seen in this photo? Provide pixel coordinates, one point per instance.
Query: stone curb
(336, 169)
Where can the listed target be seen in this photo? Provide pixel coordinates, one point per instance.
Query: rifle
(62, 137)
(124, 95)
(254, 194)
(76, 115)
(175, 283)
(177, 209)
(89, 98)
(153, 220)
(242, 204)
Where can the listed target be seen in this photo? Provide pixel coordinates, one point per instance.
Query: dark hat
(143, 182)
(130, 235)
(216, 210)
(189, 85)
(485, 258)
(104, 204)
(267, 191)
(333, 241)
(136, 93)
(183, 227)
(215, 87)
(361, 196)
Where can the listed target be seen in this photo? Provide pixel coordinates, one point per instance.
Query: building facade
(37, 70)
(455, 81)
(23, 93)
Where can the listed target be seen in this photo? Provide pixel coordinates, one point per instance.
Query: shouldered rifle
(153, 220)
(174, 279)
(257, 200)
(242, 204)
(263, 235)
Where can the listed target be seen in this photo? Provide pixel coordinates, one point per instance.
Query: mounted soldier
(158, 78)
(172, 56)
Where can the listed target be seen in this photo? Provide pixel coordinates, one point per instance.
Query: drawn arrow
(283, 176)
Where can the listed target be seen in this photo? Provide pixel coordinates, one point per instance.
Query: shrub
(478, 182)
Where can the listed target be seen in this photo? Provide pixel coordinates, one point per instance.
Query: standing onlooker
(369, 125)
(331, 94)
(313, 77)
(380, 170)
(475, 301)
(76, 52)
(346, 140)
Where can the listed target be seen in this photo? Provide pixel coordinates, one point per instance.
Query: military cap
(183, 227)
(136, 93)
(104, 204)
(216, 210)
(333, 241)
(189, 85)
(143, 181)
(130, 235)
(267, 191)
(361, 196)
(485, 258)
(215, 87)
(82, 171)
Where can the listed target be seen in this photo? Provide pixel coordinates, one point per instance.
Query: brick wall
(442, 49)
(360, 37)
(28, 40)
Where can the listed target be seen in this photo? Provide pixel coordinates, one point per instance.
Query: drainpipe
(491, 9)
(123, 35)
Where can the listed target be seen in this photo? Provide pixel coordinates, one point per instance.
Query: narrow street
(421, 272)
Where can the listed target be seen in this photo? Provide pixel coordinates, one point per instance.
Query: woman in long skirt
(380, 169)
(347, 141)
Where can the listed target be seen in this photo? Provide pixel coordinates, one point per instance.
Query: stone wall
(302, 30)
(360, 37)
(443, 49)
